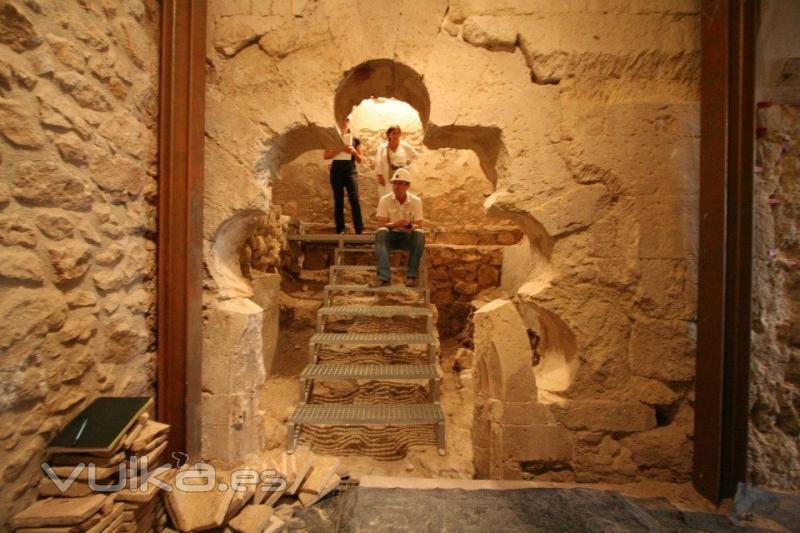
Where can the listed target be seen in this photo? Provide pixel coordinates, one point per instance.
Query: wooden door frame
(725, 256)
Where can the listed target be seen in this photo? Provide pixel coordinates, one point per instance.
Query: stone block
(663, 349)
(602, 415)
(503, 353)
(665, 447)
(667, 289)
(21, 264)
(519, 413)
(252, 519)
(25, 311)
(267, 294)
(232, 345)
(539, 443)
(16, 29)
(667, 226)
(517, 264)
(19, 126)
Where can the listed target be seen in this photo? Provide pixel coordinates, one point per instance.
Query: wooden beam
(180, 210)
(725, 255)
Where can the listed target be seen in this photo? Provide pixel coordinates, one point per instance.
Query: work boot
(411, 282)
(378, 282)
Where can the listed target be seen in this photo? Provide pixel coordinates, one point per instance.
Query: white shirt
(389, 207)
(404, 154)
(347, 140)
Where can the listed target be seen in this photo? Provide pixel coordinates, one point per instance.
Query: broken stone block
(46, 184)
(503, 355)
(232, 344)
(56, 227)
(25, 311)
(195, 511)
(21, 264)
(19, 126)
(252, 519)
(70, 259)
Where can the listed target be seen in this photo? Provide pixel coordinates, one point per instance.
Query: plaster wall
(584, 119)
(78, 114)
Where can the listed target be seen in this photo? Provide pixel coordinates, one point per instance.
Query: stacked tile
(94, 513)
(130, 505)
(302, 477)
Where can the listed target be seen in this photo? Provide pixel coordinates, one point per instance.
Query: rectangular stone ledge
(606, 416)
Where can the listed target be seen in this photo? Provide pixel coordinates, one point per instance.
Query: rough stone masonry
(78, 104)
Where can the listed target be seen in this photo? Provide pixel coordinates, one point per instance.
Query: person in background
(343, 175)
(392, 155)
(399, 227)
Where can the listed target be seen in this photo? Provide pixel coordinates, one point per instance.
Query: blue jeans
(343, 176)
(413, 243)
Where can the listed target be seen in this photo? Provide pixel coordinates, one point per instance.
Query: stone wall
(584, 118)
(775, 356)
(78, 114)
(450, 182)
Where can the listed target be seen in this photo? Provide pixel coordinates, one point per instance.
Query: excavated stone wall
(584, 119)
(78, 113)
(774, 453)
(450, 183)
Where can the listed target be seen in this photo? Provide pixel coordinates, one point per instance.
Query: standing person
(399, 227)
(393, 154)
(344, 176)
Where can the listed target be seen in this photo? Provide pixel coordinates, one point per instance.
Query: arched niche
(382, 77)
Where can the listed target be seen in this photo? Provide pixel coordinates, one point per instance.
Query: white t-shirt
(389, 207)
(347, 140)
(404, 154)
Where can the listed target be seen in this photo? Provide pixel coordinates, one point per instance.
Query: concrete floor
(356, 508)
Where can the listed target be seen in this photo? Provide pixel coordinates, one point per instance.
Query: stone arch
(223, 261)
(382, 77)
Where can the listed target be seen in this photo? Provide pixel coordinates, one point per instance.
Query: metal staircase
(364, 414)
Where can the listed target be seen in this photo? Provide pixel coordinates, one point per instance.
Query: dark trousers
(343, 176)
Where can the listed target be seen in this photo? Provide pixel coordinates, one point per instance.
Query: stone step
(354, 372)
(364, 414)
(388, 339)
(375, 310)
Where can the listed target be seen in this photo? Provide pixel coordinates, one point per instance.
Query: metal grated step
(366, 288)
(375, 310)
(363, 268)
(369, 372)
(350, 414)
(340, 238)
(372, 338)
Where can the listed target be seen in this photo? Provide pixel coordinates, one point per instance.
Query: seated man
(399, 222)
